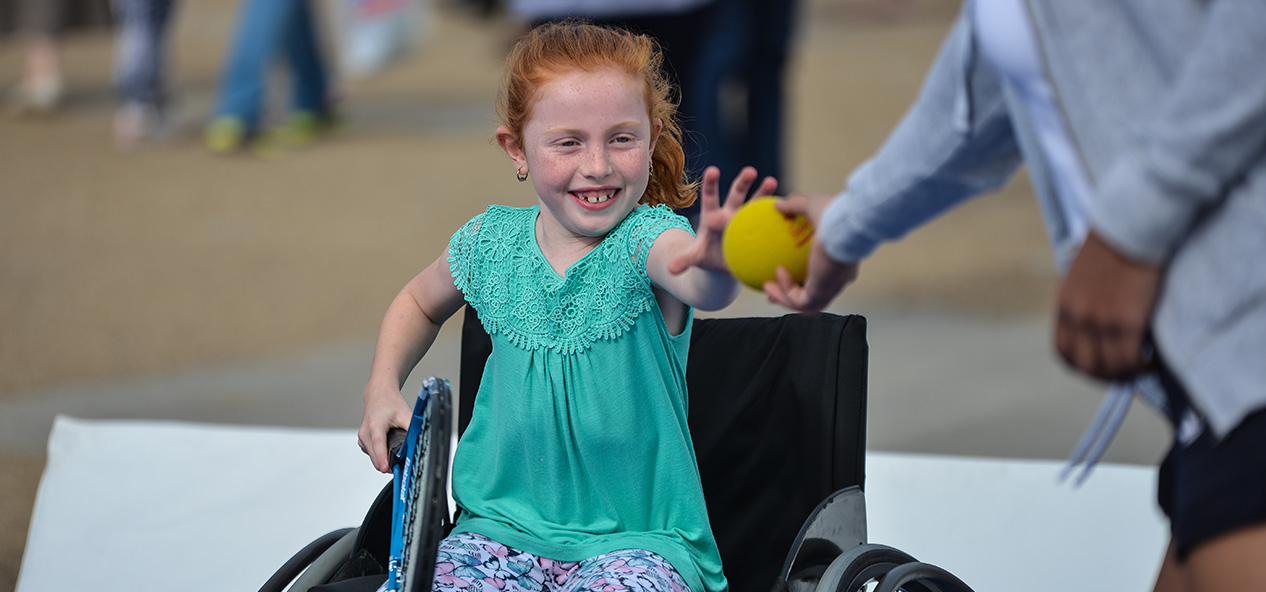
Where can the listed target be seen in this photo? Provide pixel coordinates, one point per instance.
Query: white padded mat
(149, 505)
(1003, 525)
(137, 506)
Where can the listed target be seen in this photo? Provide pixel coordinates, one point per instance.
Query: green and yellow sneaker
(225, 135)
(303, 128)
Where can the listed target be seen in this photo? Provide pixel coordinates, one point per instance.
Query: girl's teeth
(596, 199)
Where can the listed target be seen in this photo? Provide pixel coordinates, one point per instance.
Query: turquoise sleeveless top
(578, 444)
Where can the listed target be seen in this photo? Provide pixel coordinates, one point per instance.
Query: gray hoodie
(1165, 101)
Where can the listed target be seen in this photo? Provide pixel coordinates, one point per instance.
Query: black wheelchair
(778, 421)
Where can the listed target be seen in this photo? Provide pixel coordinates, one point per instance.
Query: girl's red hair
(573, 44)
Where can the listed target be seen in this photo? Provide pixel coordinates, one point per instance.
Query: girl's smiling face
(587, 147)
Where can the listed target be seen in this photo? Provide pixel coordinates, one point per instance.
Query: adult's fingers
(794, 205)
(787, 293)
(1104, 351)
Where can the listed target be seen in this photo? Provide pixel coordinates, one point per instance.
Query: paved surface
(962, 384)
(169, 284)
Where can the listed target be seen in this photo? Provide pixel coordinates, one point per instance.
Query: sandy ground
(119, 266)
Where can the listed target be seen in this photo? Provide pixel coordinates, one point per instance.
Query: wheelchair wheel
(333, 544)
(856, 569)
(920, 576)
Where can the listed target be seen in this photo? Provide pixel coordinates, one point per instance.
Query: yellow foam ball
(760, 239)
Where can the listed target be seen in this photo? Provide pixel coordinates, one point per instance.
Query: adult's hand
(1104, 311)
(826, 277)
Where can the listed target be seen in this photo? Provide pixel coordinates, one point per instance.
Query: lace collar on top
(498, 265)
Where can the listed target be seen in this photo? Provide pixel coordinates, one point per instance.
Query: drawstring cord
(1098, 435)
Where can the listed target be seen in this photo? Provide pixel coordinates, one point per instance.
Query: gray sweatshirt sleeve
(955, 142)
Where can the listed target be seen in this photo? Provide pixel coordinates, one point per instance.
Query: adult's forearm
(956, 141)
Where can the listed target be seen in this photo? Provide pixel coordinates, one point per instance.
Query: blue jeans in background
(267, 30)
(140, 53)
(745, 45)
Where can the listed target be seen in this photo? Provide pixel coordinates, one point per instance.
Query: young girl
(577, 470)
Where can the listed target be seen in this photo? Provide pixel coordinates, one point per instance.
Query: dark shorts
(1209, 487)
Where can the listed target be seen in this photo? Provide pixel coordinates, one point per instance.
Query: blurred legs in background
(735, 102)
(40, 87)
(268, 29)
(140, 68)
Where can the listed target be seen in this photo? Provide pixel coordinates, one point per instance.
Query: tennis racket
(419, 514)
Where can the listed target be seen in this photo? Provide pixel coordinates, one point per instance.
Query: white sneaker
(39, 96)
(137, 123)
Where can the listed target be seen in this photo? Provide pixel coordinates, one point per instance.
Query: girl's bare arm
(693, 269)
(412, 322)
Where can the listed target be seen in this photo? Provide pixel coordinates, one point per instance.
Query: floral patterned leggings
(475, 563)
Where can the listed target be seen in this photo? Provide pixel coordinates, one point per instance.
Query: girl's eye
(622, 139)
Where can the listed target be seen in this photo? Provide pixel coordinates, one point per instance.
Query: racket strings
(418, 476)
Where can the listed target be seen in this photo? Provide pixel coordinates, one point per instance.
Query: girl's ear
(657, 126)
(510, 143)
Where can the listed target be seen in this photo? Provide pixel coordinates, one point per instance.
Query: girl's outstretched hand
(826, 277)
(385, 408)
(705, 251)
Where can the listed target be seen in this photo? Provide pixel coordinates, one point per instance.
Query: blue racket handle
(395, 445)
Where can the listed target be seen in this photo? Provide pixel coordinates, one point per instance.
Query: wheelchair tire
(853, 569)
(324, 566)
(918, 576)
(300, 561)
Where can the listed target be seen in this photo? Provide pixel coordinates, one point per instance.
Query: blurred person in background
(735, 98)
(140, 69)
(41, 86)
(268, 30)
(674, 24)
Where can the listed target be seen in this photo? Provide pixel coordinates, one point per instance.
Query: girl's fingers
(709, 192)
(739, 187)
(682, 262)
(769, 186)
